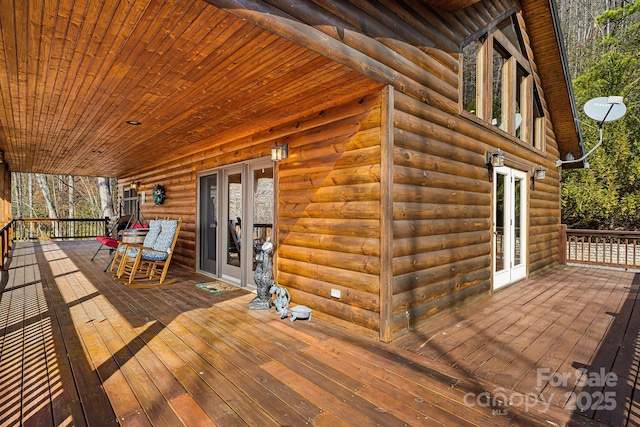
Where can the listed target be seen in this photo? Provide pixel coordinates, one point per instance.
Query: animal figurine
(300, 312)
(282, 300)
(263, 277)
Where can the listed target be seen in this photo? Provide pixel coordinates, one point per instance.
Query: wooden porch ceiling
(74, 72)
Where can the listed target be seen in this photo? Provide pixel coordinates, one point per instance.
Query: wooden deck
(78, 348)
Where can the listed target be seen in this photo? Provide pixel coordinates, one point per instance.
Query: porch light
(279, 152)
(134, 185)
(495, 160)
(537, 175)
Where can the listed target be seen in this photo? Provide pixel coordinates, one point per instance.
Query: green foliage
(608, 194)
(619, 13)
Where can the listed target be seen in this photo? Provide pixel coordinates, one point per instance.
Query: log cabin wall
(387, 198)
(442, 197)
(329, 216)
(327, 212)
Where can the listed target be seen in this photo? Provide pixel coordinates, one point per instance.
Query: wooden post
(7, 200)
(562, 253)
(3, 194)
(386, 215)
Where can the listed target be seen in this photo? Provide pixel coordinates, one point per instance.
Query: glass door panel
(499, 240)
(519, 229)
(517, 213)
(233, 230)
(262, 210)
(208, 236)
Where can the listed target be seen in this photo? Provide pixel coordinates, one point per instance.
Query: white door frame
(513, 248)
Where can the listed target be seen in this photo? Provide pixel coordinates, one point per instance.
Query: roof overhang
(543, 27)
(193, 75)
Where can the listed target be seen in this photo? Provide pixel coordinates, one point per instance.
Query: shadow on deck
(78, 348)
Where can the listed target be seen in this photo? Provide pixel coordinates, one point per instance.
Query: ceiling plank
(73, 71)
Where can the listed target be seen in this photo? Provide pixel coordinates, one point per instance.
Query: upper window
(498, 86)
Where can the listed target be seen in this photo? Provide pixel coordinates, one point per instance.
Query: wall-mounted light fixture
(496, 159)
(537, 175)
(134, 185)
(279, 152)
(540, 173)
(493, 160)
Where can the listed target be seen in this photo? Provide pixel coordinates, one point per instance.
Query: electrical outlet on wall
(335, 293)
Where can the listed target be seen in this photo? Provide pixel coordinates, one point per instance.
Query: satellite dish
(605, 109)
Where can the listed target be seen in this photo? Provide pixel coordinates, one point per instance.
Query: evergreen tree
(608, 194)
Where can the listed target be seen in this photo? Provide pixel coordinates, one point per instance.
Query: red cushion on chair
(107, 241)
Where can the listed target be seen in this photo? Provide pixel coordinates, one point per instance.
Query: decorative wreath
(158, 194)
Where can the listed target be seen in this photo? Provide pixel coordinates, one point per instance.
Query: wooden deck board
(260, 386)
(79, 348)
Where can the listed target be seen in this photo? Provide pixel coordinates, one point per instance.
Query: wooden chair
(145, 265)
(125, 240)
(111, 238)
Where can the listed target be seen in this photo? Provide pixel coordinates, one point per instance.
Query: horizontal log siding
(180, 176)
(442, 199)
(442, 216)
(329, 209)
(544, 219)
(329, 218)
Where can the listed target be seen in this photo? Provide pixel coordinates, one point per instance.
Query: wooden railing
(599, 247)
(6, 238)
(59, 228)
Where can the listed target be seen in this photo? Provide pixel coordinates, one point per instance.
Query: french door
(509, 228)
(232, 216)
(208, 223)
(235, 217)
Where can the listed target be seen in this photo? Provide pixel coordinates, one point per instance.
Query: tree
(46, 193)
(608, 194)
(64, 195)
(586, 22)
(106, 199)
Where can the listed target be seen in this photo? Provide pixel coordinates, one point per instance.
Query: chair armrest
(137, 246)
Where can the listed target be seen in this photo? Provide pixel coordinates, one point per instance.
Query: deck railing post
(2, 250)
(563, 244)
